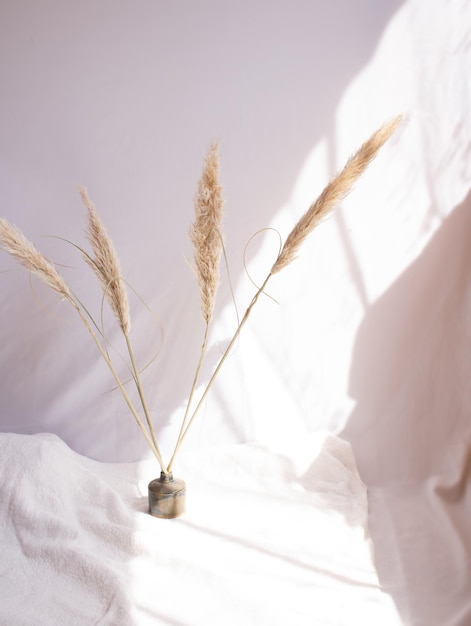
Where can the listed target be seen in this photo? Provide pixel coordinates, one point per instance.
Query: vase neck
(166, 478)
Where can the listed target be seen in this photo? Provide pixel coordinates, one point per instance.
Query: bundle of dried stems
(206, 235)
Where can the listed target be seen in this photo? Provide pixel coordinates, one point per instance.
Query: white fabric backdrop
(370, 338)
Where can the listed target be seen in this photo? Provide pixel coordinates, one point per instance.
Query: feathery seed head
(206, 231)
(105, 264)
(13, 241)
(333, 193)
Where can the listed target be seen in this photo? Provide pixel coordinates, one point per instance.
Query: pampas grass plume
(15, 243)
(105, 264)
(334, 193)
(206, 231)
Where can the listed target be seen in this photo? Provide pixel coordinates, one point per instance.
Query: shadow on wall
(411, 363)
(411, 430)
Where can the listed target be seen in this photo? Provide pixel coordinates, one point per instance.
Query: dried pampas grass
(206, 232)
(333, 193)
(105, 264)
(15, 243)
(206, 236)
(207, 240)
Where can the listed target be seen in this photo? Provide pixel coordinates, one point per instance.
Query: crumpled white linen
(265, 540)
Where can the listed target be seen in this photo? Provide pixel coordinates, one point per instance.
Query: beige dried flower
(333, 193)
(105, 264)
(15, 243)
(206, 231)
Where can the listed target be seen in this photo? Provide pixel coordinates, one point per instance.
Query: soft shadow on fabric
(410, 430)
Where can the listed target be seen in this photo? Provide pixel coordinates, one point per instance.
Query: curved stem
(218, 367)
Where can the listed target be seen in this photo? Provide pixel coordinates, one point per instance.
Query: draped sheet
(265, 540)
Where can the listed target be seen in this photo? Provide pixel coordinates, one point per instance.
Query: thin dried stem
(333, 193)
(121, 387)
(190, 399)
(138, 383)
(226, 353)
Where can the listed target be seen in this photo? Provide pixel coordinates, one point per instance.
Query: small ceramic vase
(167, 496)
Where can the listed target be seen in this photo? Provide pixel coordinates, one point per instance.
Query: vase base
(167, 497)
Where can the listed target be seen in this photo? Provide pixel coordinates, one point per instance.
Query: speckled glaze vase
(167, 496)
